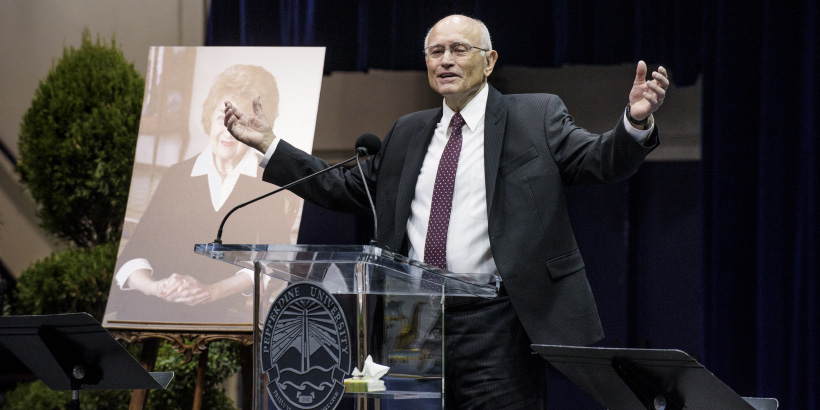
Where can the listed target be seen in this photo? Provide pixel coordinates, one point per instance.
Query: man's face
(224, 146)
(458, 79)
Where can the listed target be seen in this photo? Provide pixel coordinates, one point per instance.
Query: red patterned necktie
(435, 245)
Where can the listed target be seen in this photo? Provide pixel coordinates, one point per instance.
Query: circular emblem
(305, 349)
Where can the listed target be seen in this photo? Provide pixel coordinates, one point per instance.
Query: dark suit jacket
(532, 149)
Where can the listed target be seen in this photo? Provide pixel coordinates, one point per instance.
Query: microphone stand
(375, 239)
(218, 239)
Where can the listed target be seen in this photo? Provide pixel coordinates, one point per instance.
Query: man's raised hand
(647, 96)
(253, 130)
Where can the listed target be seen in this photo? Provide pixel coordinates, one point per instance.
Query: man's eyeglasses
(456, 49)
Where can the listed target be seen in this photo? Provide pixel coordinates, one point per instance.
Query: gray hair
(242, 83)
(486, 43)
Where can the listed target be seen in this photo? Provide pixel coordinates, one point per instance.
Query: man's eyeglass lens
(456, 49)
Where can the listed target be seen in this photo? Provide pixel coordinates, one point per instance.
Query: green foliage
(77, 142)
(223, 361)
(72, 280)
(36, 396)
(5, 309)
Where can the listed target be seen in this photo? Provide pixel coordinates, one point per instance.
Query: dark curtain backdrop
(760, 130)
(389, 34)
(761, 168)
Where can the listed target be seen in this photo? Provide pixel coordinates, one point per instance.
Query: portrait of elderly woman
(158, 278)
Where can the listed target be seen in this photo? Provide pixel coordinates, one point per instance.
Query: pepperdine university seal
(305, 349)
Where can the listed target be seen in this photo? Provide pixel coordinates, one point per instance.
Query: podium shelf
(352, 269)
(396, 395)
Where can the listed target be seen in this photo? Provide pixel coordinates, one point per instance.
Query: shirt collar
(474, 112)
(204, 164)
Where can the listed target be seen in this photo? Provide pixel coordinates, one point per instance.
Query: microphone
(366, 144)
(369, 144)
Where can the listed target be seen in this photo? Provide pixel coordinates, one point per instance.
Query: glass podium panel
(387, 306)
(336, 267)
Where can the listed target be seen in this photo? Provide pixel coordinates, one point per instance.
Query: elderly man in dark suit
(477, 186)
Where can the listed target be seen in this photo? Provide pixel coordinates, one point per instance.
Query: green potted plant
(76, 146)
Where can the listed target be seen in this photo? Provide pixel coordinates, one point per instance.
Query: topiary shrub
(71, 280)
(77, 142)
(37, 396)
(223, 361)
(77, 146)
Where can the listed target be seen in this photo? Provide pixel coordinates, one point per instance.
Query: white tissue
(373, 370)
(371, 373)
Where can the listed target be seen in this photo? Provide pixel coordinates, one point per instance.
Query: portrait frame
(177, 198)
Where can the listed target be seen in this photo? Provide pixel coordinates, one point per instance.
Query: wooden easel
(189, 345)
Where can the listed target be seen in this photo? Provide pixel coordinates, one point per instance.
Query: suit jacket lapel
(495, 119)
(416, 150)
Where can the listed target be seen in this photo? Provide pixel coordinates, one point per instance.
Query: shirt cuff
(639, 135)
(249, 274)
(129, 268)
(269, 152)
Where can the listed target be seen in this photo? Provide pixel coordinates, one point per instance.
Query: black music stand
(73, 351)
(646, 379)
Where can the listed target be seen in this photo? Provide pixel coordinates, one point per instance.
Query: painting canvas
(189, 173)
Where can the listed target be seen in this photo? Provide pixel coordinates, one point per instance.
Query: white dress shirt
(468, 243)
(221, 189)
